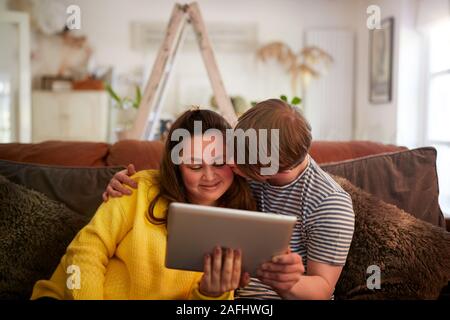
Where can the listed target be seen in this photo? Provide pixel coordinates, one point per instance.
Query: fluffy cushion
(34, 234)
(413, 255)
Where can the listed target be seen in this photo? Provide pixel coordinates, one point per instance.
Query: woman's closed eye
(199, 166)
(218, 165)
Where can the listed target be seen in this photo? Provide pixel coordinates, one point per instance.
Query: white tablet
(194, 230)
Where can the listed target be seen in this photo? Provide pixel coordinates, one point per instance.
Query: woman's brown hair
(238, 195)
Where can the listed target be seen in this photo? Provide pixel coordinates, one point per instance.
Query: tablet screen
(194, 230)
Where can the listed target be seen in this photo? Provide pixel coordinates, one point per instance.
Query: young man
(325, 220)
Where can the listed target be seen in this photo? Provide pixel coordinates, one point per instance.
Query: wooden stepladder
(150, 108)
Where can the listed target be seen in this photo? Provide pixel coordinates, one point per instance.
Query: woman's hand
(115, 187)
(282, 273)
(222, 272)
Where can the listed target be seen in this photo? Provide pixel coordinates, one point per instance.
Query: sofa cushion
(407, 179)
(34, 234)
(143, 154)
(77, 187)
(413, 256)
(333, 151)
(65, 153)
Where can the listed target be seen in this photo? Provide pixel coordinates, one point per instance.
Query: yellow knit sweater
(120, 255)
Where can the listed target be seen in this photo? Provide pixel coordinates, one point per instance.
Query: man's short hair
(294, 133)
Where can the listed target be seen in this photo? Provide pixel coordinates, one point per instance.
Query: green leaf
(284, 98)
(296, 100)
(253, 103)
(113, 94)
(138, 97)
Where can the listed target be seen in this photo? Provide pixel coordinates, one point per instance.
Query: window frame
(430, 76)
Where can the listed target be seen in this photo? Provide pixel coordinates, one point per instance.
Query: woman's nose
(208, 174)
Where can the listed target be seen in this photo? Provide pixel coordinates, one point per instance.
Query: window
(437, 131)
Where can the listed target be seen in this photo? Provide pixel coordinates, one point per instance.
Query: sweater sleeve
(81, 272)
(196, 295)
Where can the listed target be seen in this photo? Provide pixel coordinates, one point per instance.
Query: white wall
(375, 122)
(329, 103)
(107, 22)
(107, 25)
(411, 81)
(398, 121)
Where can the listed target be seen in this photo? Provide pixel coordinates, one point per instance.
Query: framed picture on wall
(381, 53)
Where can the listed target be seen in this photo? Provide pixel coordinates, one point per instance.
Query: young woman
(120, 253)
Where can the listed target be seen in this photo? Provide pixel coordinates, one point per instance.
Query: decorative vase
(125, 117)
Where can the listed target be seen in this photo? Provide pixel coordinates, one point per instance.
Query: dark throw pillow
(406, 179)
(34, 234)
(79, 188)
(413, 255)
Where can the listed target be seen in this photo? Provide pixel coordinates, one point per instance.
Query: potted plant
(127, 107)
(295, 101)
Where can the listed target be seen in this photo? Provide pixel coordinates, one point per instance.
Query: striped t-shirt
(325, 220)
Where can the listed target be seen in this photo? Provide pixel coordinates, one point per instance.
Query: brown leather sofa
(65, 172)
(146, 154)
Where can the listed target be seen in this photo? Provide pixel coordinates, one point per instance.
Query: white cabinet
(70, 115)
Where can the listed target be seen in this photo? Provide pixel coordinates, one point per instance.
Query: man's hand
(282, 273)
(222, 272)
(115, 187)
